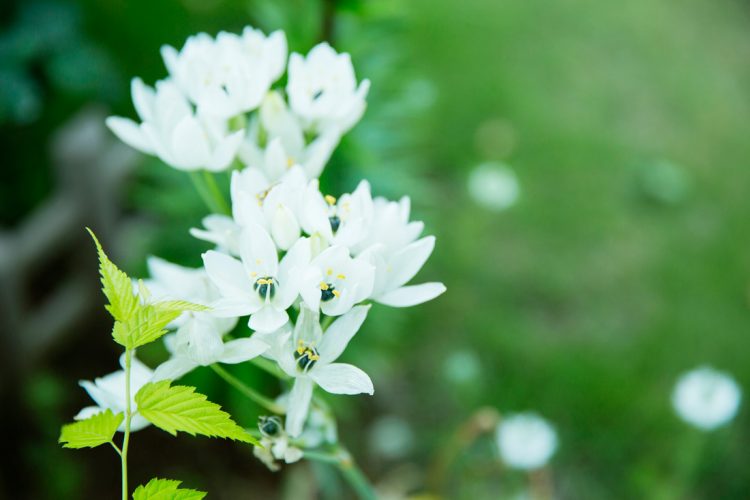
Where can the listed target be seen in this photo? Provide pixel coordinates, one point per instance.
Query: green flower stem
(128, 417)
(343, 460)
(202, 189)
(247, 390)
(218, 197)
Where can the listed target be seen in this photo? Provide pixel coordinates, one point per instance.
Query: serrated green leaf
(180, 408)
(148, 323)
(166, 489)
(94, 431)
(116, 286)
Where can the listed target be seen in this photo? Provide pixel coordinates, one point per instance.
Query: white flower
(274, 207)
(221, 230)
(276, 141)
(275, 444)
(494, 186)
(334, 282)
(706, 398)
(201, 345)
(173, 132)
(108, 393)
(343, 222)
(526, 441)
(323, 90)
(258, 285)
(309, 355)
(397, 257)
(230, 75)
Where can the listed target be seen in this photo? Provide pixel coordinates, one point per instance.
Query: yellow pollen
(253, 274)
(330, 199)
(258, 261)
(289, 162)
(329, 271)
(336, 293)
(341, 276)
(324, 286)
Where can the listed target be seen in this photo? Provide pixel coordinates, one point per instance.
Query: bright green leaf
(180, 408)
(94, 431)
(116, 286)
(147, 324)
(165, 489)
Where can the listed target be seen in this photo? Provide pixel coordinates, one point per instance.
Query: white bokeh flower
(228, 75)
(308, 355)
(108, 393)
(171, 130)
(706, 398)
(494, 186)
(258, 285)
(334, 282)
(323, 89)
(526, 441)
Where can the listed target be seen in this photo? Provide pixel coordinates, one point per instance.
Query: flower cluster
(302, 265)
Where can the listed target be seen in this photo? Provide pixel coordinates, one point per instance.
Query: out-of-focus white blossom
(108, 393)
(706, 398)
(526, 441)
(494, 186)
(228, 75)
(309, 356)
(171, 130)
(323, 90)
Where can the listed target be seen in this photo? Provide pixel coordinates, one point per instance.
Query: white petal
(407, 262)
(174, 368)
(225, 151)
(130, 133)
(284, 227)
(342, 378)
(299, 404)
(407, 296)
(341, 331)
(143, 99)
(258, 251)
(227, 273)
(189, 144)
(268, 319)
(237, 351)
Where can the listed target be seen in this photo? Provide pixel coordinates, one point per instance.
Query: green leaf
(180, 408)
(147, 324)
(165, 489)
(116, 286)
(94, 431)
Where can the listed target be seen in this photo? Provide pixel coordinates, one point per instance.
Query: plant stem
(247, 390)
(201, 188)
(343, 460)
(128, 416)
(213, 188)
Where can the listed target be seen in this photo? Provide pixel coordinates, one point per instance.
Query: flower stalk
(247, 390)
(128, 417)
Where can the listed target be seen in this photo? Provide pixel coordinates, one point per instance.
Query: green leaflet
(165, 489)
(94, 431)
(180, 408)
(116, 286)
(148, 323)
(136, 323)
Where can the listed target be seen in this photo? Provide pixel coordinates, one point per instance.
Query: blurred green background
(624, 262)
